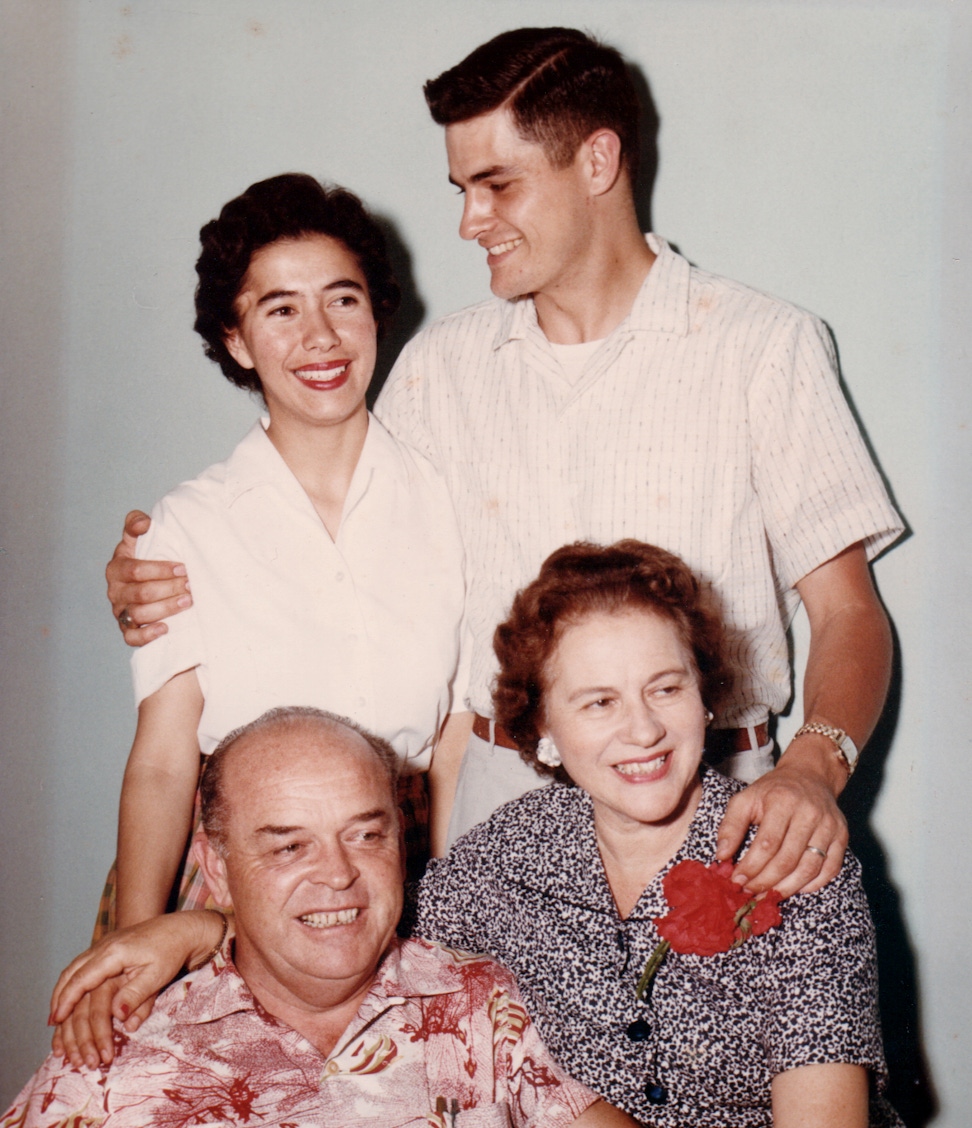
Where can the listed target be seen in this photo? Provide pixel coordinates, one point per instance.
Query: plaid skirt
(190, 891)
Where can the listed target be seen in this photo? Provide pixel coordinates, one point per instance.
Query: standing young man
(610, 389)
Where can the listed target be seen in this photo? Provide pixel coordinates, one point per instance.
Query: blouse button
(656, 1094)
(639, 1030)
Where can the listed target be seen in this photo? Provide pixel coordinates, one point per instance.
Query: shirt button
(656, 1094)
(331, 1068)
(639, 1030)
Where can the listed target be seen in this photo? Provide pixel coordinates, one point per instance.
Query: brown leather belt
(500, 735)
(718, 742)
(724, 742)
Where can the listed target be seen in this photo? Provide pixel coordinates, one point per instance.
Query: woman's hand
(121, 973)
(86, 1036)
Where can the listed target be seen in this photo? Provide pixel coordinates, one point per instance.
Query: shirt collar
(212, 992)
(407, 972)
(217, 989)
(661, 305)
(569, 867)
(257, 462)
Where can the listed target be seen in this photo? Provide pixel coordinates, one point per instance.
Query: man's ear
(602, 154)
(233, 341)
(213, 865)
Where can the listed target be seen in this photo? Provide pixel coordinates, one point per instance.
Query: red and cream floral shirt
(436, 1023)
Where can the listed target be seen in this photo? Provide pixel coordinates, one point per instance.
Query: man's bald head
(274, 730)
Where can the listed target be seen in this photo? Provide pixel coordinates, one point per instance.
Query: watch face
(849, 748)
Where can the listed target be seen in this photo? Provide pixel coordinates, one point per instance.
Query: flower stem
(654, 963)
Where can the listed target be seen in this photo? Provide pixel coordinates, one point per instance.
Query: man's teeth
(328, 920)
(641, 767)
(502, 248)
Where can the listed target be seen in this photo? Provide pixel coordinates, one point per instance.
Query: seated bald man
(320, 1015)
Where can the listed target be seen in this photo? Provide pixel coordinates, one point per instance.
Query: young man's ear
(602, 155)
(213, 865)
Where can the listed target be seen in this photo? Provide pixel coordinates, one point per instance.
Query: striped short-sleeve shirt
(709, 422)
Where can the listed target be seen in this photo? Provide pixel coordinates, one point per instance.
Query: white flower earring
(547, 752)
(709, 716)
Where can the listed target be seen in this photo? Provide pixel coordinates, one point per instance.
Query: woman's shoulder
(547, 808)
(540, 837)
(720, 787)
(541, 841)
(253, 456)
(413, 486)
(187, 512)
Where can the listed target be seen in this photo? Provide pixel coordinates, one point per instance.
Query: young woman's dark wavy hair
(582, 579)
(284, 207)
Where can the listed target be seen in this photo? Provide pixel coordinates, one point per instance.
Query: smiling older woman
(609, 664)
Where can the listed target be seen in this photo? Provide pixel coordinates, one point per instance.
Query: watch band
(845, 748)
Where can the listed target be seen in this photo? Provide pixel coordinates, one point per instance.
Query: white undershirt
(573, 358)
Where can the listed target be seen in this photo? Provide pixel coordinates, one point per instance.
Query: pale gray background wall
(816, 150)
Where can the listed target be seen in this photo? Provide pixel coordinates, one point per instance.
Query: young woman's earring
(709, 716)
(547, 752)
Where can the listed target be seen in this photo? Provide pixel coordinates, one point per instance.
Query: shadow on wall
(910, 1088)
(648, 149)
(410, 312)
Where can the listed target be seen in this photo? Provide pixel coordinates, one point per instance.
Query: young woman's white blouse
(367, 625)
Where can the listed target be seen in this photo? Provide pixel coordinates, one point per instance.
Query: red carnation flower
(709, 914)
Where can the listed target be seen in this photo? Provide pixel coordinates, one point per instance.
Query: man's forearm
(849, 663)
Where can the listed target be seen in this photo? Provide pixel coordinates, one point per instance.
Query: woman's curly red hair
(582, 579)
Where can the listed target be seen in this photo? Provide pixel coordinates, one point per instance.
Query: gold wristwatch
(845, 748)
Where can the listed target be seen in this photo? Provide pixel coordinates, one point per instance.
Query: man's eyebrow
(271, 830)
(488, 174)
(276, 831)
(338, 284)
(370, 816)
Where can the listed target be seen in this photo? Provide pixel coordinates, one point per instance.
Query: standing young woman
(346, 536)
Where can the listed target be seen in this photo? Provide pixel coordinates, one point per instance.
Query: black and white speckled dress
(528, 887)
